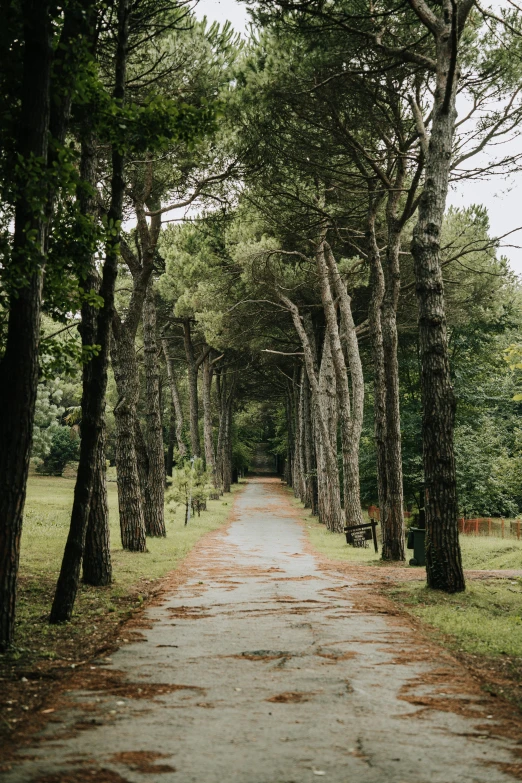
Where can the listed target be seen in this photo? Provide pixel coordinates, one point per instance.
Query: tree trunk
(132, 521)
(328, 451)
(95, 372)
(329, 489)
(309, 449)
(193, 389)
(379, 378)
(155, 515)
(97, 566)
(210, 458)
(393, 530)
(443, 557)
(175, 401)
(350, 415)
(19, 365)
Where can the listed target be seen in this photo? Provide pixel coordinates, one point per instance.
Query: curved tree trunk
(323, 436)
(96, 329)
(155, 514)
(350, 413)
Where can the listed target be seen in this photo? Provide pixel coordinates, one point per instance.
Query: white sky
(501, 195)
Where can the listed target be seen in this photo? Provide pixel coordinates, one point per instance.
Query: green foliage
(189, 484)
(64, 448)
(47, 415)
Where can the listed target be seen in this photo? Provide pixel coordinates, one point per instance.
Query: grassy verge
(481, 552)
(482, 626)
(44, 652)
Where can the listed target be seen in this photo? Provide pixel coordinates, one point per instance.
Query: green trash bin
(416, 541)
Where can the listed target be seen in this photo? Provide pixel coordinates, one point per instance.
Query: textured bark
(132, 520)
(329, 490)
(192, 371)
(393, 529)
(379, 380)
(19, 365)
(350, 410)
(299, 459)
(443, 558)
(123, 354)
(289, 438)
(210, 457)
(97, 566)
(226, 384)
(155, 514)
(175, 401)
(309, 449)
(328, 452)
(95, 328)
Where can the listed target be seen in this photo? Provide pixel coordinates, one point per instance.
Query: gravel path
(263, 667)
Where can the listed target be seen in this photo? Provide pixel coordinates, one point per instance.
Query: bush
(65, 447)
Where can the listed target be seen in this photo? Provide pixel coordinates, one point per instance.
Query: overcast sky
(502, 196)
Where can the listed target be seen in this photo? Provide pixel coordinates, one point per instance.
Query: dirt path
(263, 667)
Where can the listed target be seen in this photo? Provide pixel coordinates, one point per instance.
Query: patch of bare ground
(92, 775)
(143, 761)
(291, 697)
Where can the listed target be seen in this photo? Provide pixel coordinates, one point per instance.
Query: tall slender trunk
(97, 566)
(19, 365)
(309, 449)
(226, 388)
(95, 329)
(132, 520)
(329, 453)
(193, 389)
(350, 415)
(329, 488)
(289, 438)
(175, 401)
(210, 457)
(379, 377)
(155, 518)
(299, 460)
(443, 557)
(393, 529)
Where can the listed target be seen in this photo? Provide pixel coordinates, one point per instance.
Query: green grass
(486, 619)
(97, 610)
(480, 552)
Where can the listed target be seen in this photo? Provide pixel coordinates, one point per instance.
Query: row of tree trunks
(351, 406)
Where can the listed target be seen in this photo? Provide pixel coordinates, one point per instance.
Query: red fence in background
(491, 527)
(375, 513)
(481, 526)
